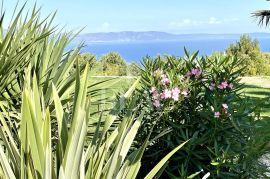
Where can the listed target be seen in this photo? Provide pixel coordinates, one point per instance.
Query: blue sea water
(135, 51)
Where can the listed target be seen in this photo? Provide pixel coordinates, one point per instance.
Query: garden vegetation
(184, 117)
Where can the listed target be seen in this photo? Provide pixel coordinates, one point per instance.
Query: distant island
(132, 36)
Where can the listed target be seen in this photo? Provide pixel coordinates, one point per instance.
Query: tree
(113, 64)
(248, 50)
(84, 59)
(263, 17)
(87, 58)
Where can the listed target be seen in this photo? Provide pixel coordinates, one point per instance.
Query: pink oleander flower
(156, 103)
(225, 106)
(165, 81)
(220, 87)
(216, 114)
(223, 85)
(196, 72)
(155, 95)
(166, 94)
(185, 93)
(152, 90)
(230, 86)
(175, 94)
(212, 86)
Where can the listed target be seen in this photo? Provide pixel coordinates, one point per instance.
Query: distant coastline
(156, 36)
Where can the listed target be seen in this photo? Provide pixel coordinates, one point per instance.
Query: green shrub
(113, 64)
(198, 98)
(86, 58)
(248, 50)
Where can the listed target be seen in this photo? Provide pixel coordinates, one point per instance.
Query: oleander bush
(199, 98)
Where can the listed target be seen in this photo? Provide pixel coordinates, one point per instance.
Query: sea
(137, 50)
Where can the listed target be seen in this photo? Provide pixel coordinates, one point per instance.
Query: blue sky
(175, 16)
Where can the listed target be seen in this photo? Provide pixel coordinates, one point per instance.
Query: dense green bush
(86, 58)
(248, 50)
(113, 64)
(198, 99)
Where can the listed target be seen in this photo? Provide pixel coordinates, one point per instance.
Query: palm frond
(263, 17)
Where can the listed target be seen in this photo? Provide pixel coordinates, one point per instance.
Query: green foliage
(86, 58)
(45, 112)
(69, 155)
(34, 42)
(198, 99)
(113, 64)
(133, 69)
(249, 52)
(16, 45)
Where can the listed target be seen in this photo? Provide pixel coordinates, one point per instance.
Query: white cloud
(184, 23)
(214, 20)
(210, 21)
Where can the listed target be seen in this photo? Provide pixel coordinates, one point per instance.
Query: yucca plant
(16, 47)
(35, 41)
(67, 155)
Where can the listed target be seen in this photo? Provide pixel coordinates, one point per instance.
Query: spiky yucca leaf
(107, 156)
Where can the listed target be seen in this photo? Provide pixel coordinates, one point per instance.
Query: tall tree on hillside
(263, 17)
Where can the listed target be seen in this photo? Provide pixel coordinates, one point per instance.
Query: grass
(111, 86)
(258, 90)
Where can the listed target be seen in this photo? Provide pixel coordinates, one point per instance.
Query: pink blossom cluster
(223, 85)
(225, 108)
(164, 80)
(173, 94)
(196, 72)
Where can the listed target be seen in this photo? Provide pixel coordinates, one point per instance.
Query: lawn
(111, 86)
(258, 90)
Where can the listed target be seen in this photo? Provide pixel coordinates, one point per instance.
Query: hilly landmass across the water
(132, 36)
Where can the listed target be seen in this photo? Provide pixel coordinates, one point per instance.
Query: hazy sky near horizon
(174, 16)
